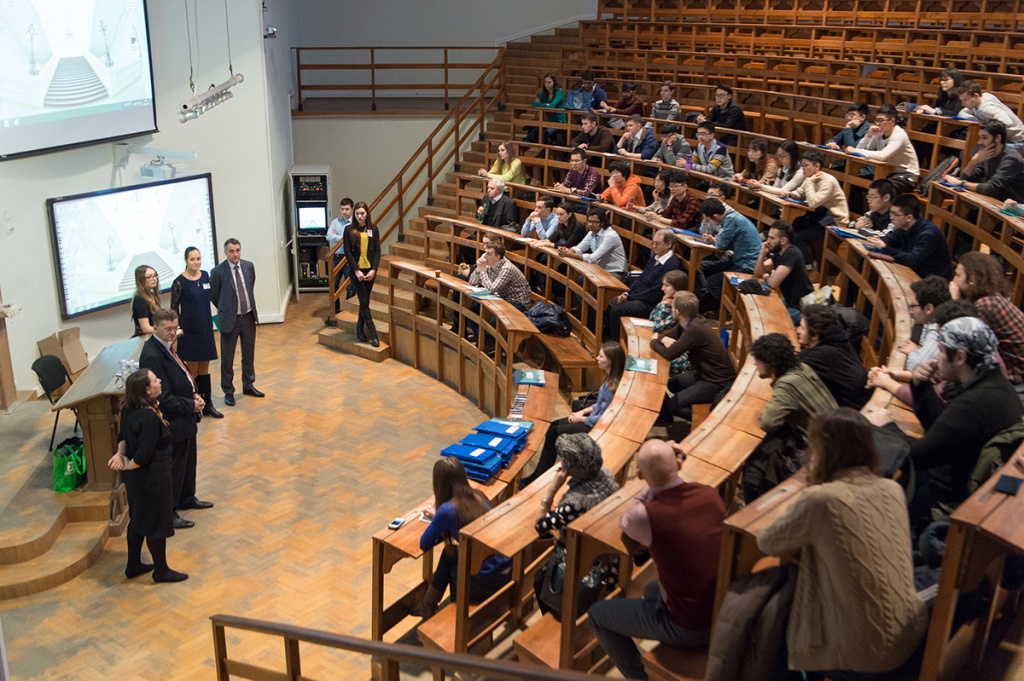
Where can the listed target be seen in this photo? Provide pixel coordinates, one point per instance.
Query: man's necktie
(243, 297)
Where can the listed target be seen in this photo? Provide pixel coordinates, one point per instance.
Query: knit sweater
(855, 606)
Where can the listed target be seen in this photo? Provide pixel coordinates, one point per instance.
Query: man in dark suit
(181, 407)
(645, 291)
(496, 209)
(231, 290)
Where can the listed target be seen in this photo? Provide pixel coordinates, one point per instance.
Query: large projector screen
(73, 72)
(100, 238)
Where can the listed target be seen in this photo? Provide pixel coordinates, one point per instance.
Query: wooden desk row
(993, 51)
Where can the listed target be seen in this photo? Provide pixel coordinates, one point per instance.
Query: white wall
(244, 143)
(342, 23)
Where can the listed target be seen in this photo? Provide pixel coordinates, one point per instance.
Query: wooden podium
(98, 400)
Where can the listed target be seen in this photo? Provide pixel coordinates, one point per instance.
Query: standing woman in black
(362, 251)
(146, 300)
(190, 298)
(144, 456)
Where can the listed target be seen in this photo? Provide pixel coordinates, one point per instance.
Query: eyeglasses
(721, 95)
(703, 134)
(169, 329)
(911, 306)
(894, 214)
(882, 119)
(153, 276)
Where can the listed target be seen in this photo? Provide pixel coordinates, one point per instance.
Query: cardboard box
(66, 344)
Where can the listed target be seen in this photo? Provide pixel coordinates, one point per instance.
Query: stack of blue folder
(490, 447)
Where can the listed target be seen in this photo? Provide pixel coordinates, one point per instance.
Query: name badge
(206, 286)
(369, 233)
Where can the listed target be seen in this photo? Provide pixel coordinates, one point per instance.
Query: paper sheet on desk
(643, 322)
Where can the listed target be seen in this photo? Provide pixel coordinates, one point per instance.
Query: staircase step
(75, 550)
(412, 252)
(348, 319)
(345, 341)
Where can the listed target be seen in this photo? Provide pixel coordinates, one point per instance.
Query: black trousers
(245, 329)
(183, 470)
(363, 290)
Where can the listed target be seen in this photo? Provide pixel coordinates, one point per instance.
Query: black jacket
(176, 398)
(501, 212)
(840, 369)
(353, 248)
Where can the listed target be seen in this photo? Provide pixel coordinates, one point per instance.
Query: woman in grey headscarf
(580, 464)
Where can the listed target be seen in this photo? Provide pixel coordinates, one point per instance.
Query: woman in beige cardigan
(855, 614)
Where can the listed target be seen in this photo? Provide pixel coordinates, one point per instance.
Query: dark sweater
(602, 140)
(840, 369)
(707, 354)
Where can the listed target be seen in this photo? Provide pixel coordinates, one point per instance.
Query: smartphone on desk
(1007, 484)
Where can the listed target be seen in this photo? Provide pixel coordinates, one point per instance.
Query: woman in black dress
(144, 456)
(146, 300)
(190, 298)
(362, 251)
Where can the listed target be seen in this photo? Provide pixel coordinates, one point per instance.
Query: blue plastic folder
(503, 428)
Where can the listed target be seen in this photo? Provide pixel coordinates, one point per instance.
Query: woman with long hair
(612, 361)
(569, 231)
(551, 96)
(146, 300)
(856, 613)
(456, 504)
(660, 195)
(761, 165)
(144, 457)
(362, 251)
(947, 103)
(790, 175)
(190, 298)
(672, 283)
(506, 166)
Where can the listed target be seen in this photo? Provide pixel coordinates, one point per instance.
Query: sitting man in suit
(645, 291)
(231, 290)
(180, 405)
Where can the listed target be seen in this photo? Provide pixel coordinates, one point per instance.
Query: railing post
(293, 664)
(373, 80)
(447, 105)
(298, 75)
(401, 207)
(430, 171)
(220, 652)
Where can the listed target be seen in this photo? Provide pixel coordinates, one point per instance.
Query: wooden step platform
(345, 341)
(77, 547)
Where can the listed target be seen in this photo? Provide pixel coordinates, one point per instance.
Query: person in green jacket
(550, 97)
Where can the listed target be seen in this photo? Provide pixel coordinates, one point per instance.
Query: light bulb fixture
(200, 104)
(269, 33)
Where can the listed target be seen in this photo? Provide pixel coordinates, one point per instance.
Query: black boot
(373, 335)
(360, 333)
(206, 392)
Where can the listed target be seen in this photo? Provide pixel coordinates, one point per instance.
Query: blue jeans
(618, 620)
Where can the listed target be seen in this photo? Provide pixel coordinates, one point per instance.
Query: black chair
(52, 375)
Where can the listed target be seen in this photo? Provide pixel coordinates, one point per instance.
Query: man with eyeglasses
(582, 179)
(645, 291)
(711, 156)
(602, 245)
(876, 220)
(589, 85)
(824, 195)
(683, 210)
(857, 125)
(726, 114)
(888, 142)
(915, 242)
(722, 192)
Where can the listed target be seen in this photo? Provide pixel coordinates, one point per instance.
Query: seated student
(824, 195)
(995, 169)
(645, 290)
(602, 245)
(948, 101)
(825, 347)
(542, 222)
(500, 276)
(790, 175)
(726, 114)
(551, 96)
(680, 524)
(914, 242)
(568, 230)
(674, 150)
(588, 84)
(456, 504)
(798, 395)
(594, 137)
(722, 192)
(629, 103)
(887, 141)
(683, 211)
(611, 359)
(856, 613)
(582, 179)
(496, 209)
(506, 167)
(623, 187)
(781, 265)
(710, 156)
(672, 283)
(880, 195)
(666, 108)
(637, 141)
(660, 197)
(761, 166)
(736, 234)
(856, 127)
(980, 279)
(713, 371)
(986, 106)
(979, 403)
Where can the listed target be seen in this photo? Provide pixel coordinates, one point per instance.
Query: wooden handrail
(390, 654)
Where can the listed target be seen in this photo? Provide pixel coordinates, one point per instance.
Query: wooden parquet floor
(301, 480)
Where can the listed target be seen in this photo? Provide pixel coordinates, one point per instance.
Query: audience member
(760, 166)
(602, 245)
(856, 613)
(456, 504)
(629, 103)
(781, 265)
(506, 167)
(660, 197)
(683, 211)
(500, 276)
(856, 127)
(736, 234)
(825, 347)
(995, 168)
(680, 523)
(726, 113)
(886, 141)
(824, 195)
(666, 108)
(986, 106)
(146, 300)
(880, 195)
(711, 157)
(672, 283)
(722, 192)
(582, 179)
(550, 97)
(568, 232)
(611, 359)
(497, 209)
(594, 137)
(947, 103)
(542, 222)
(674, 150)
(645, 290)
(588, 84)
(713, 371)
(914, 242)
(790, 175)
(623, 187)
(638, 140)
